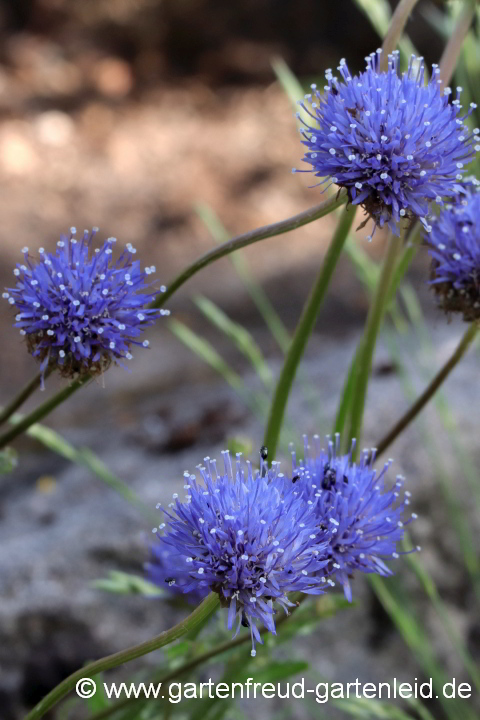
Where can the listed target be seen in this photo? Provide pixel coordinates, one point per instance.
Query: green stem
(430, 391)
(345, 402)
(23, 395)
(452, 50)
(203, 611)
(41, 412)
(196, 661)
(240, 241)
(304, 330)
(412, 245)
(396, 27)
(369, 339)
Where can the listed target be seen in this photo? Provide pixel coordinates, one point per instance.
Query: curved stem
(198, 660)
(396, 27)
(304, 330)
(198, 616)
(430, 391)
(369, 339)
(23, 395)
(240, 241)
(41, 412)
(452, 50)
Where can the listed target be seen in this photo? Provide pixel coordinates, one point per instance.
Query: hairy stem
(369, 339)
(452, 50)
(397, 25)
(304, 330)
(248, 238)
(430, 391)
(41, 412)
(198, 616)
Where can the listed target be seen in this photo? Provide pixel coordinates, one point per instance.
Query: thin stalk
(253, 236)
(369, 339)
(23, 395)
(453, 48)
(198, 616)
(414, 240)
(429, 391)
(412, 245)
(347, 393)
(397, 25)
(41, 412)
(304, 330)
(194, 663)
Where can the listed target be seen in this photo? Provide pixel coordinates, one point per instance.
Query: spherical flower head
(351, 500)
(246, 536)
(79, 309)
(393, 142)
(454, 243)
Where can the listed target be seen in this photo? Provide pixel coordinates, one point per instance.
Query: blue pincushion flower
(352, 501)
(454, 245)
(80, 310)
(393, 142)
(248, 537)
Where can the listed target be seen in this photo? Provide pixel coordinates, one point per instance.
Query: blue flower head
(393, 142)
(246, 536)
(353, 502)
(455, 249)
(80, 310)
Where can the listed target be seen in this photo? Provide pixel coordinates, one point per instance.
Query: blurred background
(164, 123)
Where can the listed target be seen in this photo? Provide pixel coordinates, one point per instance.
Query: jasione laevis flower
(454, 245)
(253, 537)
(364, 513)
(395, 143)
(245, 536)
(80, 309)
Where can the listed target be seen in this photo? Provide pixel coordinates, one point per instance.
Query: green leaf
(179, 649)
(254, 289)
(8, 460)
(85, 457)
(99, 701)
(239, 335)
(128, 584)
(204, 350)
(379, 13)
(397, 606)
(237, 444)
(430, 589)
(289, 82)
(370, 709)
(271, 671)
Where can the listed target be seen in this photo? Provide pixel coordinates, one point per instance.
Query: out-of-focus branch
(397, 25)
(450, 55)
